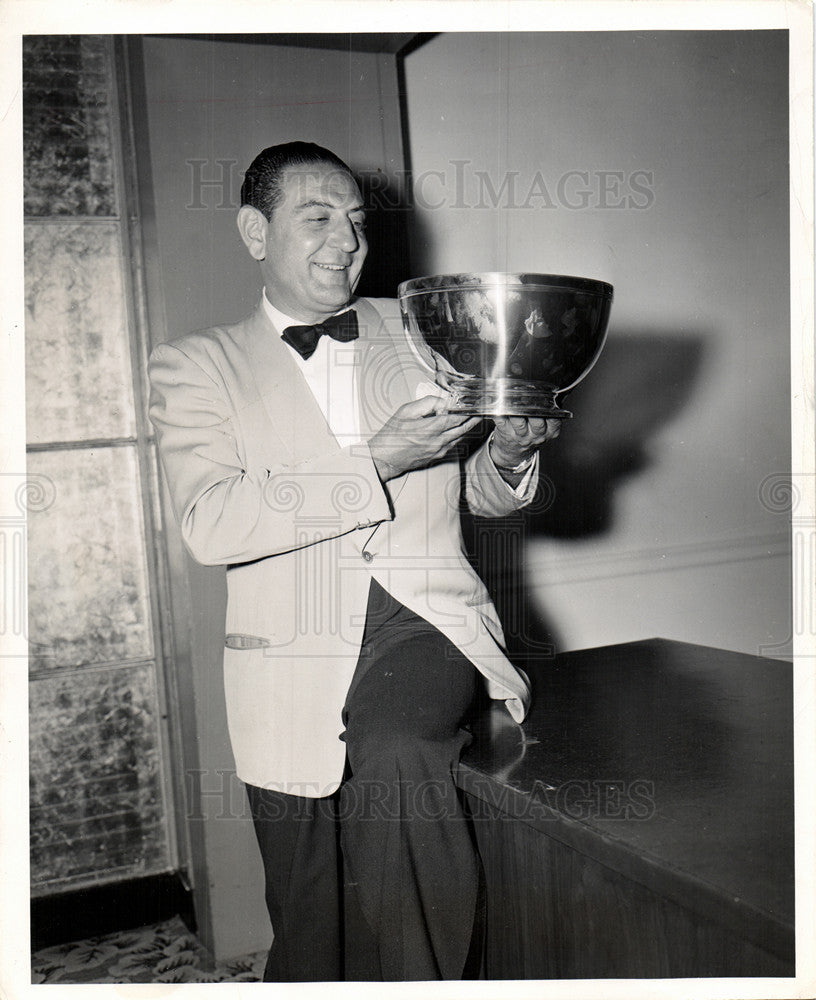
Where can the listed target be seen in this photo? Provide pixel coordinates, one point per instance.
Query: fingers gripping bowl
(506, 344)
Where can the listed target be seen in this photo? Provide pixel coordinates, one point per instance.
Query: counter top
(668, 762)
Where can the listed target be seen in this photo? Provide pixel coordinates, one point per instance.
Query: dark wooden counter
(639, 824)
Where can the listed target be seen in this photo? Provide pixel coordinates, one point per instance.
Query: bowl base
(501, 397)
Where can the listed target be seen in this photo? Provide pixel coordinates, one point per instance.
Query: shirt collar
(280, 320)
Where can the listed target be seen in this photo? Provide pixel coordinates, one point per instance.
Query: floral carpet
(163, 953)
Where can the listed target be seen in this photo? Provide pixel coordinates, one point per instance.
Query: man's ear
(252, 227)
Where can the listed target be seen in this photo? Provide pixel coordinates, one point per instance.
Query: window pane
(66, 126)
(96, 800)
(87, 568)
(78, 377)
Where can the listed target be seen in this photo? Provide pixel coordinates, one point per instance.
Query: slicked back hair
(263, 181)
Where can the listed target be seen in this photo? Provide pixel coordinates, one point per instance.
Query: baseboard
(117, 906)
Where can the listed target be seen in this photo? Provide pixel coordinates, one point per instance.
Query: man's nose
(344, 236)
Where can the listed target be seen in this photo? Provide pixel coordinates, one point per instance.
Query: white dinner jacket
(260, 484)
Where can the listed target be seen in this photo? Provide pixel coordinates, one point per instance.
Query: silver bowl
(506, 344)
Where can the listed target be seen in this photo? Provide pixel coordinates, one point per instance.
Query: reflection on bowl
(506, 343)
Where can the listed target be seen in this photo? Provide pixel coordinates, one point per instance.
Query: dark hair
(263, 181)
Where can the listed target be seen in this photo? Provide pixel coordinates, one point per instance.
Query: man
(316, 465)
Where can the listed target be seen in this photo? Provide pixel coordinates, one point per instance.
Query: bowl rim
(470, 280)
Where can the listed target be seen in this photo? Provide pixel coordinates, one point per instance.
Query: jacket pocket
(238, 640)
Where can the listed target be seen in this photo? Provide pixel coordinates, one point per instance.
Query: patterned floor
(163, 953)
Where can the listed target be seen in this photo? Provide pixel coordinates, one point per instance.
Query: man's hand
(417, 435)
(516, 438)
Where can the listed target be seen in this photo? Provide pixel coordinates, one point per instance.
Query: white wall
(698, 255)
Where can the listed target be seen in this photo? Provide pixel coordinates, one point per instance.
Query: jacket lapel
(382, 385)
(287, 399)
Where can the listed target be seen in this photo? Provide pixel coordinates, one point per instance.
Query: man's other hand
(417, 435)
(516, 438)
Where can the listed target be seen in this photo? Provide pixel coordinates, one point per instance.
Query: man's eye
(321, 218)
(359, 225)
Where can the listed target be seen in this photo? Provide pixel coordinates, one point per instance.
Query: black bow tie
(304, 338)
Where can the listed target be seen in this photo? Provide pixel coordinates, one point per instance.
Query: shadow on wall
(387, 229)
(640, 383)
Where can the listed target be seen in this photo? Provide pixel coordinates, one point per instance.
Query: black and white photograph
(407, 515)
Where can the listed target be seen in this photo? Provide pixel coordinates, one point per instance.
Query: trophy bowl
(506, 344)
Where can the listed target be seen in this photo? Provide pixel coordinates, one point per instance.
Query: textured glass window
(67, 146)
(87, 574)
(78, 377)
(96, 794)
(99, 799)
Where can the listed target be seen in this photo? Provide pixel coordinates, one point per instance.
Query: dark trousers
(380, 880)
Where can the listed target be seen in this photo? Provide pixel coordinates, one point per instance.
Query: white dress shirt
(330, 374)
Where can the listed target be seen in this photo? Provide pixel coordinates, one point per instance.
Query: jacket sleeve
(229, 513)
(487, 494)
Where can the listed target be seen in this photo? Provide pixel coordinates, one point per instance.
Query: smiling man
(312, 216)
(307, 449)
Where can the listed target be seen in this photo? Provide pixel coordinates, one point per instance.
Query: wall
(662, 523)
(207, 108)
